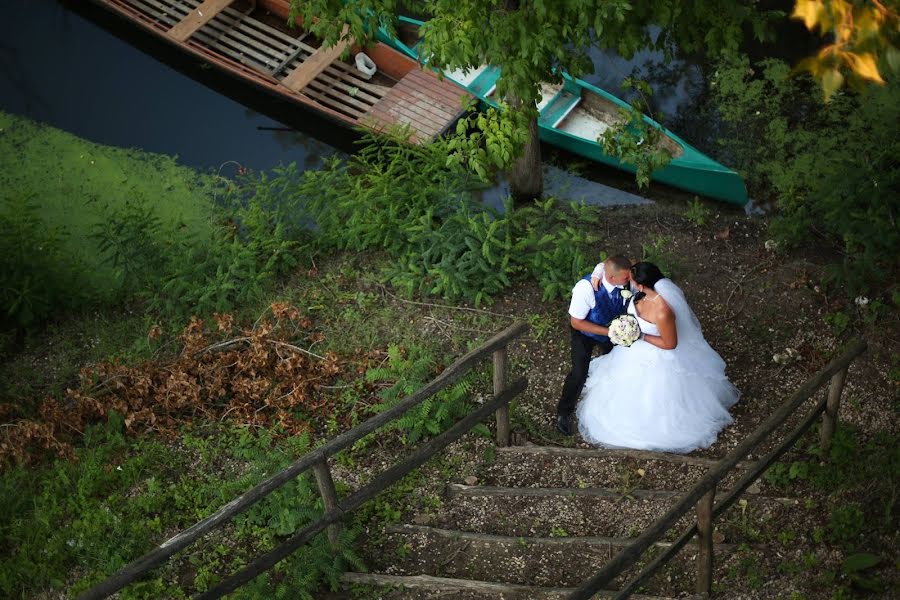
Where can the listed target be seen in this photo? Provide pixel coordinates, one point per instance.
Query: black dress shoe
(564, 424)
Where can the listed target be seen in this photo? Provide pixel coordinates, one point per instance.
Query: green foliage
(408, 370)
(93, 516)
(846, 524)
(257, 241)
(839, 321)
(405, 201)
(37, 275)
(114, 226)
(857, 467)
(697, 212)
(634, 139)
(830, 169)
(486, 142)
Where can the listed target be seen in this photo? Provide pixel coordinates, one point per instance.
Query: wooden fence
(702, 495)
(317, 460)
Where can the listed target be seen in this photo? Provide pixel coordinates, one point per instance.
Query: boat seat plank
(246, 55)
(198, 18)
(217, 36)
(484, 84)
(426, 114)
(310, 68)
(558, 108)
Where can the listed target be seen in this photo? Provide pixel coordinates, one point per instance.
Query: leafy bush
(830, 168)
(180, 273)
(37, 275)
(406, 201)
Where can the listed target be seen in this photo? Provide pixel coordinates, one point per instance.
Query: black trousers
(582, 351)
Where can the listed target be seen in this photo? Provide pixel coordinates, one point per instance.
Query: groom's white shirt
(583, 299)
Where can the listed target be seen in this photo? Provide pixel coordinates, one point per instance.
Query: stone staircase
(538, 520)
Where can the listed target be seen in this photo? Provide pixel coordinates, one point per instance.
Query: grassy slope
(77, 184)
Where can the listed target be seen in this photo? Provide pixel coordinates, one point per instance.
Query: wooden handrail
(382, 482)
(320, 455)
(724, 502)
(629, 555)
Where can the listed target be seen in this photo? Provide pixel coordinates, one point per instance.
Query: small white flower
(861, 300)
(119, 468)
(771, 245)
(626, 294)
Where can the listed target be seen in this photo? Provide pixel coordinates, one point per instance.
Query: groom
(590, 312)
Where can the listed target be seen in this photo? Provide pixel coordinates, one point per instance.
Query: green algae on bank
(78, 185)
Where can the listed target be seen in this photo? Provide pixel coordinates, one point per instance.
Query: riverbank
(152, 469)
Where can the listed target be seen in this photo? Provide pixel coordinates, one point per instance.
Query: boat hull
(257, 48)
(690, 170)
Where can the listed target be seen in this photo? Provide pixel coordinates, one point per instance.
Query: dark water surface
(61, 67)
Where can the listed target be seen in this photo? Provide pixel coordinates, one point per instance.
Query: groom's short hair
(617, 263)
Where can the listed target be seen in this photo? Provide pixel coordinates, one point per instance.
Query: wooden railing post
(499, 386)
(329, 496)
(705, 542)
(829, 417)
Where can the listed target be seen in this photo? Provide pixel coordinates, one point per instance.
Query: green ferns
(408, 371)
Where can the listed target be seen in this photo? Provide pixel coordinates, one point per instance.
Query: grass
(73, 523)
(78, 184)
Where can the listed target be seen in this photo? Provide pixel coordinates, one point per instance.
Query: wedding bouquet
(624, 330)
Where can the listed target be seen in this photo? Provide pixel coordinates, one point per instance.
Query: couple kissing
(667, 391)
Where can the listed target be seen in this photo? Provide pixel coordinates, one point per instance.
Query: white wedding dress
(647, 398)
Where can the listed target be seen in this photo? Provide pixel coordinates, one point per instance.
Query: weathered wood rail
(317, 460)
(703, 494)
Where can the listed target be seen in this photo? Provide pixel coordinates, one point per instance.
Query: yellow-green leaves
(863, 32)
(808, 11)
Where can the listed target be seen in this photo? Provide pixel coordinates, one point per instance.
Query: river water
(72, 66)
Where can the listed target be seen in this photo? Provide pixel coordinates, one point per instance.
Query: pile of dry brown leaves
(260, 377)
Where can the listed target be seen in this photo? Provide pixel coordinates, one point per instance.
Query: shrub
(442, 241)
(830, 168)
(38, 276)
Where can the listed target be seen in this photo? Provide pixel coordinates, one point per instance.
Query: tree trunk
(526, 180)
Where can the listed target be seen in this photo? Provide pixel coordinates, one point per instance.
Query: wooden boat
(575, 113)
(251, 40)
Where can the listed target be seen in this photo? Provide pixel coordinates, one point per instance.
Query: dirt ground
(756, 305)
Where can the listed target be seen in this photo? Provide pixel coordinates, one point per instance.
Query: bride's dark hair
(645, 273)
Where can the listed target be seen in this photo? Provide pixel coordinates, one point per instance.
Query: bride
(667, 391)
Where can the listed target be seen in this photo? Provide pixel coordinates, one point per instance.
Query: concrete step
(538, 561)
(568, 512)
(426, 587)
(556, 467)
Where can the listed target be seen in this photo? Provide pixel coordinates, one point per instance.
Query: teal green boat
(574, 114)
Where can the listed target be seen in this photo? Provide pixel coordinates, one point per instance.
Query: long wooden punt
(251, 39)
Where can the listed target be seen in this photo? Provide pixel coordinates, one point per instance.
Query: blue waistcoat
(605, 310)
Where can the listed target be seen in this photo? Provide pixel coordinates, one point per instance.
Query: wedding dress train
(647, 398)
